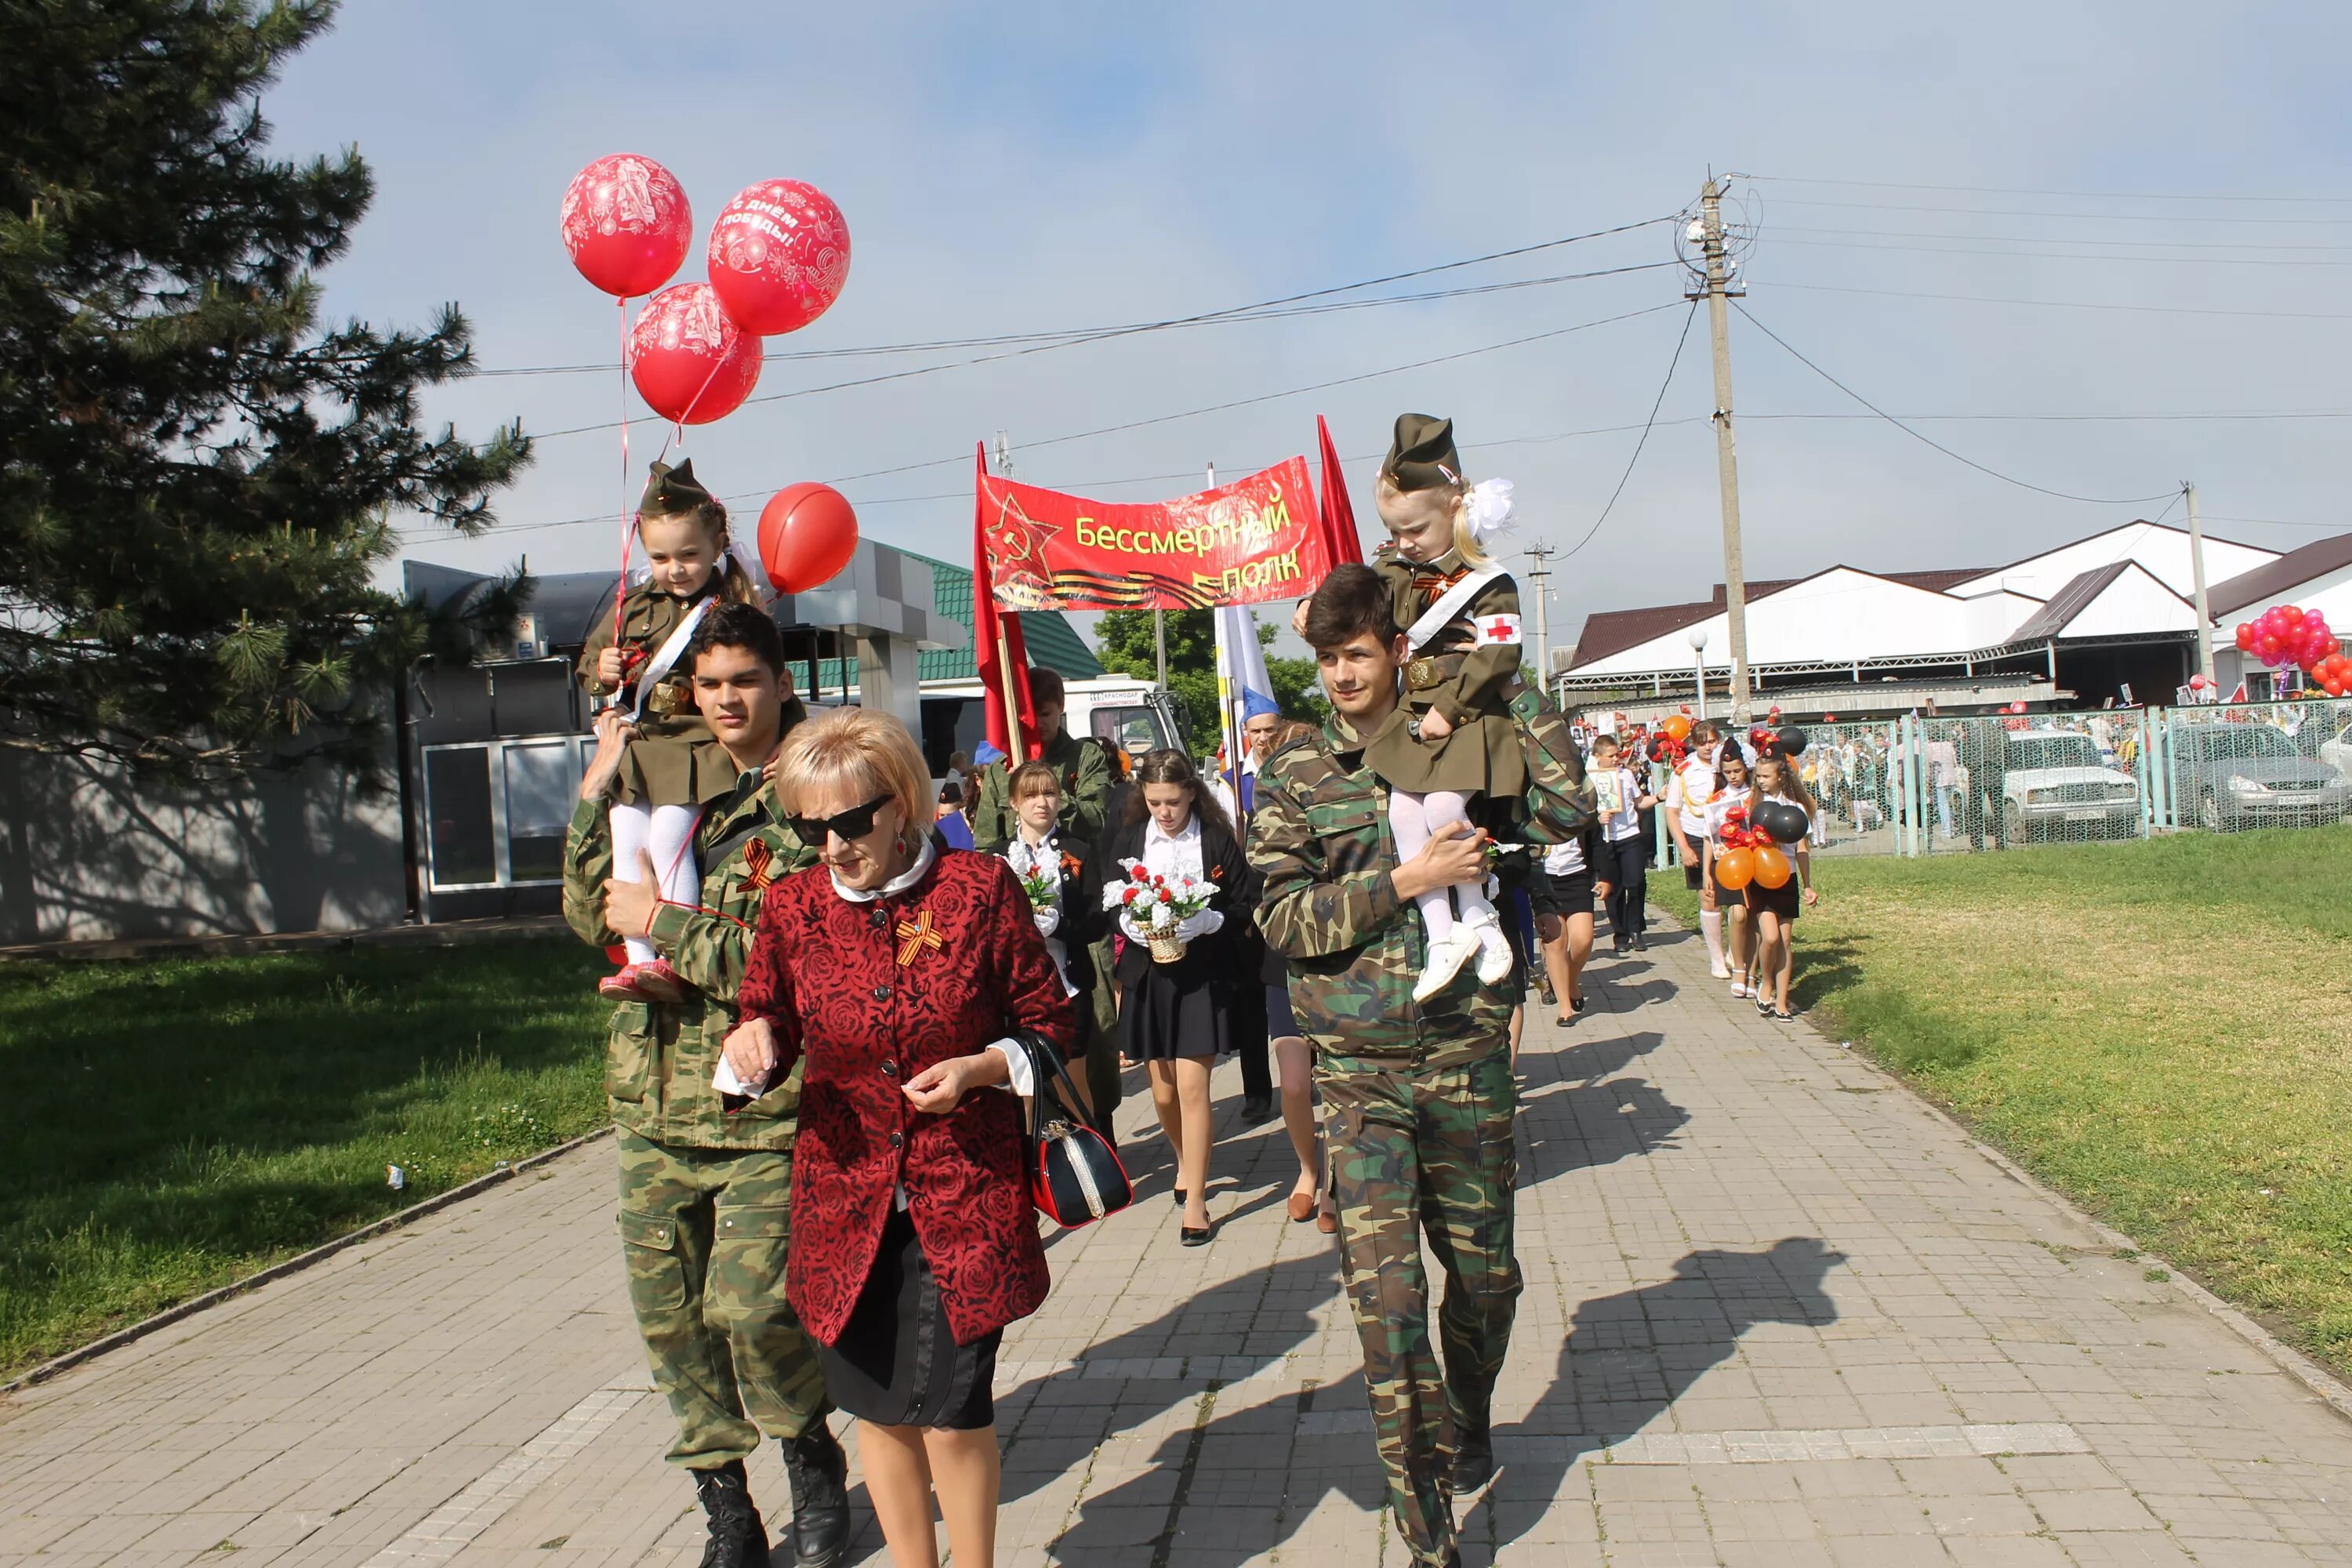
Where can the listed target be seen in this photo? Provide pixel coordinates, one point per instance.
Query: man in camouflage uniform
(1084, 769)
(1418, 1098)
(706, 1177)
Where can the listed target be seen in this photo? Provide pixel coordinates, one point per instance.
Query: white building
(2106, 618)
(2316, 577)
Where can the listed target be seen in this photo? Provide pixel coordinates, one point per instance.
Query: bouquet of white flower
(1165, 912)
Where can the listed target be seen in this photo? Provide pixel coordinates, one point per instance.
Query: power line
(2064, 240)
(2075, 304)
(2047, 213)
(1192, 413)
(1929, 440)
(2028, 191)
(2061, 255)
(1655, 404)
(1086, 334)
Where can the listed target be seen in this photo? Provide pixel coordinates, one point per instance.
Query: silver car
(2252, 775)
(2053, 784)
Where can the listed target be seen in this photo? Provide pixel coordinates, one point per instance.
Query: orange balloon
(1735, 869)
(1677, 727)
(1773, 867)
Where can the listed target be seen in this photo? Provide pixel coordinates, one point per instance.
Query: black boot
(738, 1539)
(1474, 1456)
(819, 1471)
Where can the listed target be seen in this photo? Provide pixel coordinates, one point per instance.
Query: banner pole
(1013, 749)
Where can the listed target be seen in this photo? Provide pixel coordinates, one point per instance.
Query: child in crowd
(1451, 739)
(675, 765)
(1040, 854)
(1622, 874)
(1727, 793)
(1688, 794)
(1774, 910)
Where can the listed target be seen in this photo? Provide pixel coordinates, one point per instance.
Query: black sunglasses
(855, 822)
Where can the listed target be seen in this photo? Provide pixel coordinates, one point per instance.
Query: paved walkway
(1777, 1312)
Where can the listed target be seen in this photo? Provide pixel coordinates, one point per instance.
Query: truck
(1123, 711)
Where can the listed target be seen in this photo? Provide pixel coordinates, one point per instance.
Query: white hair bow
(1487, 509)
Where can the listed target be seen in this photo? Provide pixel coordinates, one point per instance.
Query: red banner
(1256, 539)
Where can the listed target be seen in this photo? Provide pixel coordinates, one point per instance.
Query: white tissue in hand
(725, 1081)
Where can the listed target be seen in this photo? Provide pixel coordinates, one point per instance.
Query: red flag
(1336, 517)
(996, 635)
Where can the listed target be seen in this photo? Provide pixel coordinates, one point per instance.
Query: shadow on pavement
(1630, 1356)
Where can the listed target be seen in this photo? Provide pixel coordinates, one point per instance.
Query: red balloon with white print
(690, 363)
(626, 224)
(779, 254)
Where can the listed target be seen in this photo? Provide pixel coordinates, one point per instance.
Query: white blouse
(1167, 855)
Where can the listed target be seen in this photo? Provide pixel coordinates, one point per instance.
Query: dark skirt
(1561, 894)
(1178, 1010)
(1783, 901)
(1279, 1022)
(897, 1362)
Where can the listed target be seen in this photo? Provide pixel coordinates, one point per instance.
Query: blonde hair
(871, 752)
(1456, 494)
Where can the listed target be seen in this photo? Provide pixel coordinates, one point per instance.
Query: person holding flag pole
(1244, 691)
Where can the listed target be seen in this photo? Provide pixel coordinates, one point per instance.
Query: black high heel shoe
(1191, 1238)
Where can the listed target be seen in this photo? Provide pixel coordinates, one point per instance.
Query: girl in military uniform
(675, 765)
(1450, 739)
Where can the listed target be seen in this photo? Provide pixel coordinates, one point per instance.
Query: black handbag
(1074, 1175)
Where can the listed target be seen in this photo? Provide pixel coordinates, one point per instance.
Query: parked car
(2250, 775)
(2053, 780)
(2337, 752)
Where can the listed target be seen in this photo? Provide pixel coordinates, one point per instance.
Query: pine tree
(197, 475)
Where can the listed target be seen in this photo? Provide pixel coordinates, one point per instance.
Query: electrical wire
(1929, 440)
(1196, 413)
(2046, 213)
(2062, 255)
(2028, 191)
(1655, 404)
(1267, 307)
(2068, 239)
(2075, 304)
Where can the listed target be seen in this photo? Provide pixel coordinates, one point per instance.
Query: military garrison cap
(1421, 457)
(670, 491)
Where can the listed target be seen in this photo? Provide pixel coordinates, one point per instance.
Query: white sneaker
(1447, 956)
(1494, 954)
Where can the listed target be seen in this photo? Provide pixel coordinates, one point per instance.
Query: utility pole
(2197, 570)
(1540, 575)
(1716, 284)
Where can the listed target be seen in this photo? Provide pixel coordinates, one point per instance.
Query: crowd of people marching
(847, 1007)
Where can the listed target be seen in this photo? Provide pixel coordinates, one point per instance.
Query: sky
(2007, 223)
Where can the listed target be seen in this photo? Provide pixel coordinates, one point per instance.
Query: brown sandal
(1302, 1207)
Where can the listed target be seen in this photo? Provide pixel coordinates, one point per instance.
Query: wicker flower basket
(1167, 947)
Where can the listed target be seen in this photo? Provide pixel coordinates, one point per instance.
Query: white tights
(1414, 821)
(667, 833)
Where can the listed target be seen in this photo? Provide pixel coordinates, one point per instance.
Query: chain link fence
(1924, 784)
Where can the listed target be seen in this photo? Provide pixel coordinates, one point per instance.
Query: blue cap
(987, 755)
(1257, 702)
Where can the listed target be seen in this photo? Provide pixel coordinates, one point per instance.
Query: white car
(2053, 780)
(2337, 754)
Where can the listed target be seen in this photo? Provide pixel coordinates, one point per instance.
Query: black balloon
(1781, 821)
(1792, 738)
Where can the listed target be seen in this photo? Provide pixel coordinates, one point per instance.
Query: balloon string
(677, 433)
(628, 523)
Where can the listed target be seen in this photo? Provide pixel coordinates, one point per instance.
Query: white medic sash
(1448, 604)
(672, 649)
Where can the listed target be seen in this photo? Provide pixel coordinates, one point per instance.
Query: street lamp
(1698, 653)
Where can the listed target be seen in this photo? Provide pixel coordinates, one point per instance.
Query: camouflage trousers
(1417, 1149)
(703, 1232)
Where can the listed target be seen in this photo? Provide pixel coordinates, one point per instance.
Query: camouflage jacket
(1084, 769)
(659, 1059)
(1320, 840)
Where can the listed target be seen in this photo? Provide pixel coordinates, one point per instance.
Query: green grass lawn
(2161, 1029)
(175, 1124)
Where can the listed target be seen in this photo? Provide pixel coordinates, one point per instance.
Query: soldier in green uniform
(1084, 769)
(1418, 1098)
(706, 1175)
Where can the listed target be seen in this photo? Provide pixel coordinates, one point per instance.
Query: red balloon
(2267, 648)
(689, 361)
(807, 534)
(2246, 634)
(626, 224)
(779, 254)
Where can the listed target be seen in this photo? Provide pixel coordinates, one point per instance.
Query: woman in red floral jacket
(897, 970)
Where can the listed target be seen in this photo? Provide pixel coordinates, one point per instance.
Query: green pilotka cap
(670, 491)
(1421, 457)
